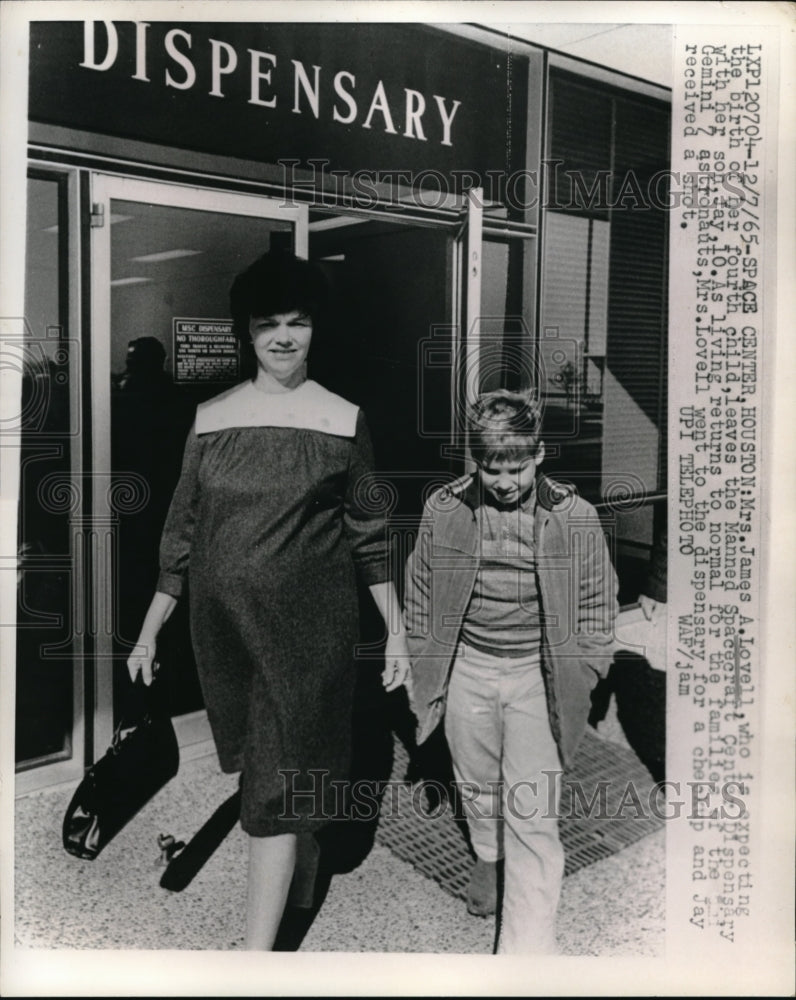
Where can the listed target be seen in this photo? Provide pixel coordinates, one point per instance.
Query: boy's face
(509, 483)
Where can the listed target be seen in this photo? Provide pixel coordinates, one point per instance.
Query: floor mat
(608, 801)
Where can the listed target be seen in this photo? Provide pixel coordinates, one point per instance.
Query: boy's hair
(278, 282)
(504, 426)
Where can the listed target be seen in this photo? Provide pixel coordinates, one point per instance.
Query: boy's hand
(396, 662)
(647, 605)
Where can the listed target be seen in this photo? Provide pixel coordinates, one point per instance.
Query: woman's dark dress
(268, 525)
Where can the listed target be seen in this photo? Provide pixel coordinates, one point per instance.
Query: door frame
(38, 773)
(193, 731)
(468, 256)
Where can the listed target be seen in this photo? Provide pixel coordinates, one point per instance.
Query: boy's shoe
(482, 891)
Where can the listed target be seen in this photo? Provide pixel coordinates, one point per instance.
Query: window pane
(635, 396)
(603, 307)
(44, 695)
(572, 347)
(507, 286)
(580, 141)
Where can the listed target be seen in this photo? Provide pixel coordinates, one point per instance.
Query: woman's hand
(396, 652)
(396, 662)
(142, 661)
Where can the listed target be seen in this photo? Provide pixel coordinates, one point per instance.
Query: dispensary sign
(381, 96)
(205, 350)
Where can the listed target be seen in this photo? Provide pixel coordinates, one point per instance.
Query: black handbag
(135, 766)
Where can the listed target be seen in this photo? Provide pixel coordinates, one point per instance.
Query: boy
(510, 603)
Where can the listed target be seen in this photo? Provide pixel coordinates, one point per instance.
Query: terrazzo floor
(614, 907)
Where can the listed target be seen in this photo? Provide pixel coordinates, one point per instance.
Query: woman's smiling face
(281, 343)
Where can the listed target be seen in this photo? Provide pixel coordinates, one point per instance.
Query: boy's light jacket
(577, 594)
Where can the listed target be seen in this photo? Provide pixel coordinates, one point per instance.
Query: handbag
(134, 768)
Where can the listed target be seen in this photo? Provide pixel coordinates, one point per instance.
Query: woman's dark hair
(504, 426)
(277, 282)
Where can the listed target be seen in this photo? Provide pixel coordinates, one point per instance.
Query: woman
(268, 525)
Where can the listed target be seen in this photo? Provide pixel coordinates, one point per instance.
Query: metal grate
(605, 772)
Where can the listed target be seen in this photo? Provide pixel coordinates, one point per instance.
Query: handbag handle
(153, 705)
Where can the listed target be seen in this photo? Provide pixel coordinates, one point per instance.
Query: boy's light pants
(498, 731)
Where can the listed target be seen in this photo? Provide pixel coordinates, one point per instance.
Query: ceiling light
(156, 258)
(114, 219)
(336, 222)
(128, 281)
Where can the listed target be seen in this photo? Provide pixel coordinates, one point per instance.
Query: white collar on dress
(309, 407)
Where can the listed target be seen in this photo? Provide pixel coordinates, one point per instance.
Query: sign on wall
(205, 350)
(390, 98)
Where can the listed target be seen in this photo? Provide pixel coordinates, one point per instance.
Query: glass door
(163, 259)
